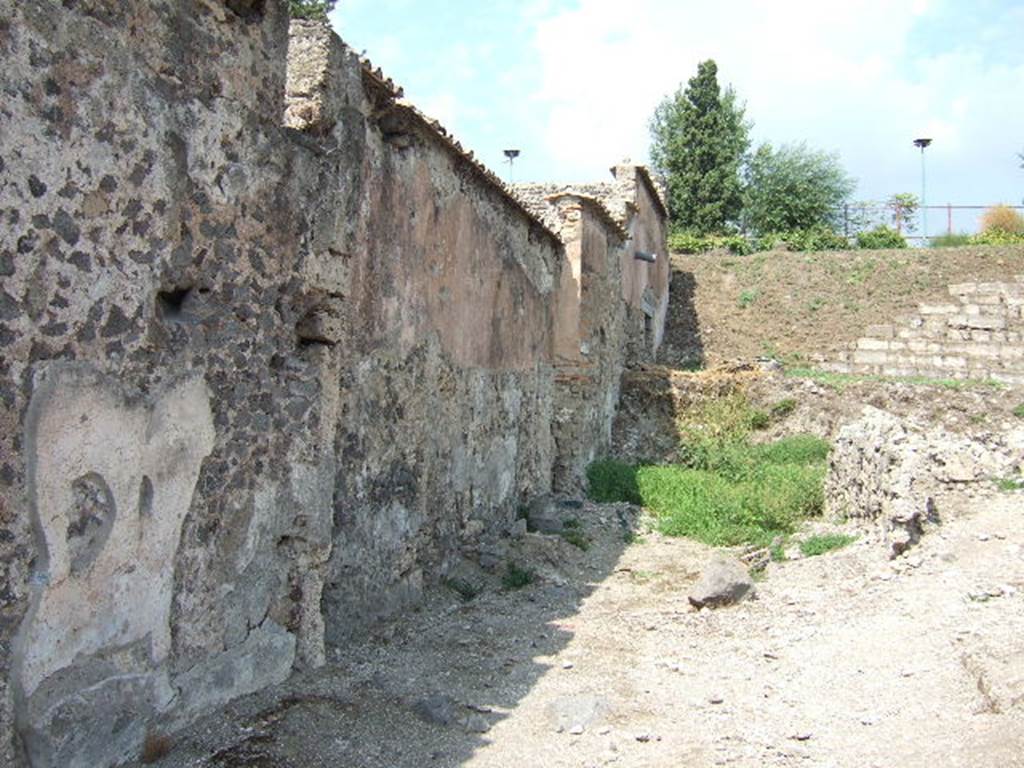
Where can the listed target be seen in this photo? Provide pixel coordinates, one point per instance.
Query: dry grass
(1002, 218)
(156, 746)
(811, 303)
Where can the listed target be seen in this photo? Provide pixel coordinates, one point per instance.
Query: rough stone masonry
(263, 379)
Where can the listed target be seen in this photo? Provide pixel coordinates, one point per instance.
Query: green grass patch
(819, 545)
(1019, 411)
(839, 381)
(725, 490)
(747, 298)
(1010, 484)
(740, 494)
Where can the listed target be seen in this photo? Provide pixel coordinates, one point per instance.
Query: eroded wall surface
(259, 384)
(591, 337)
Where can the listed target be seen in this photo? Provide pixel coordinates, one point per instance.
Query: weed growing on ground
(155, 747)
(1010, 484)
(467, 590)
(955, 240)
(760, 419)
(725, 491)
(777, 551)
(747, 298)
(516, 577)
(819, 545)
(576, 537)
(783, 408)
(1019, 411)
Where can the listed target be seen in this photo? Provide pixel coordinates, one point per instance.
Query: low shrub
(688, 242)
(576, 537)
(464, 588)
(311, 9)
(818, 239)
(1002, 218)
(783, 408)
(953, 240)
(516, 577)
(997, 237)
(881, 237)
(610, 481)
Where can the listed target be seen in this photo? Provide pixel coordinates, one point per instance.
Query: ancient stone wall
(443, 306)
(260, 384)
(590, 335)
(634, 203)
(978, 335)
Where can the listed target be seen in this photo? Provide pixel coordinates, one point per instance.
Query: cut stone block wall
(978, 334)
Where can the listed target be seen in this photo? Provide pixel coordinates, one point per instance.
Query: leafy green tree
(794, 188)
(311, 9)
(904, 206)
(699, 138)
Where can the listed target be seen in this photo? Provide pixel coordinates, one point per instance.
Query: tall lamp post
(511, 154)
(923, 144)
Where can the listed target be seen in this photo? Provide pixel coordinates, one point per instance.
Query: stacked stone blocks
(978, 334)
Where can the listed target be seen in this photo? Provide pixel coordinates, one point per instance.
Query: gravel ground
(846, 659)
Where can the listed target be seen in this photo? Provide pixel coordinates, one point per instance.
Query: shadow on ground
(426, 689)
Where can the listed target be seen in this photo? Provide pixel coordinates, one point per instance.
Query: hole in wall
(90, 520)
(146, 497)
(250, 10)
(173, 305)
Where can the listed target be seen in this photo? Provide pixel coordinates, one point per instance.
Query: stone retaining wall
(978, 334)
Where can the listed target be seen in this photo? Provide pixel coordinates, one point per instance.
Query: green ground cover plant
(819, 545)
(725, 490)
(839, 381)
(517, 577)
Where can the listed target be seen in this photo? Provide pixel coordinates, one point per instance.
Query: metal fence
(945, 219)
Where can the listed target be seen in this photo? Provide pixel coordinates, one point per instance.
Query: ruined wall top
(619, 198)
(545, 201)
(316, 57)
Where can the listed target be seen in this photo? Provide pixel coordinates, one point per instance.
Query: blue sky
(572, 83)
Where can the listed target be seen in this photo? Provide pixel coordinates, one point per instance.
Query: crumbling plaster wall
(447, 308)
(634, 203)
(250, 376)
(590, 335)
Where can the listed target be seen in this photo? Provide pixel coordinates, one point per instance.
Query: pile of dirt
(799, 306)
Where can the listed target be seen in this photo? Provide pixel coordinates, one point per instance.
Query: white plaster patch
(145, 459)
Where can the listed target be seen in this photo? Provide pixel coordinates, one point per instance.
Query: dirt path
(843, 660)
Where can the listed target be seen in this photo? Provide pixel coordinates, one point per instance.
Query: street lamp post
(923, 144)
(511, 154)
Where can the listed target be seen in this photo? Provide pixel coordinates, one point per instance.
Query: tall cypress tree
(311, 9)
(698, 141)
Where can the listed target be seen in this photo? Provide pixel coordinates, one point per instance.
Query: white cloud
(839, 75)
